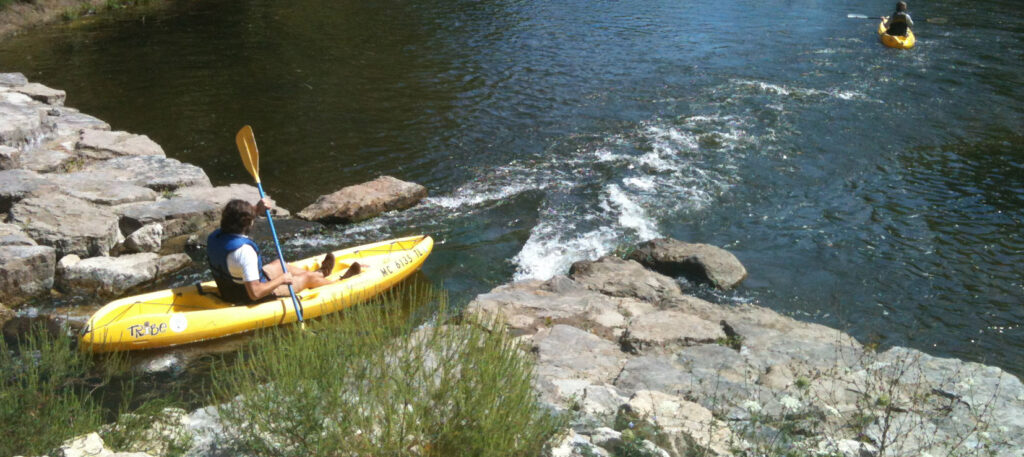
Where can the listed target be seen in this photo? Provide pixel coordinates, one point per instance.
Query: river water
(874, 190)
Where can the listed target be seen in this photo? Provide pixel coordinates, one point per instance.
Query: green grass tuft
(368, 382)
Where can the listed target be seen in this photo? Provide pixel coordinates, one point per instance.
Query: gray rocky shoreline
(619, 345)
(88, 211)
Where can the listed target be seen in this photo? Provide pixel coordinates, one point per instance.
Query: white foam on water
(607, 155)
(642, 183)
(631, 215)
(799, 91)
(472, 197)
(548, 252)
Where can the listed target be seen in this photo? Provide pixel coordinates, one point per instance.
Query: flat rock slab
(50, 157)
(103, 192)
(12, 79)
(154, 172)
(13, 235)
(19, 120)
(363, 201)
(669, 328)
(104, 144)
(68, 224)
(16, 185)
(178, 216)
(220, 196)
(624, 278)
(112, 276)
(25, 271)
(699, 262)
(69, 121)
(566, 352)
(42, 93)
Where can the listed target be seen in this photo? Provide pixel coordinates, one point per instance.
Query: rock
(12, 235)
(68, 224)
(12, 80)
(606, 437)
(19, 120)
(847, 448)
(112, 276)
(65, 121)
(50, 157)
(104, 144)
(601, 401)
(221, 195)
(691, 428)
(527, 306)
(363, 201)
(10, 158)
(699, 262)
(566, 352)
(42, 93)
(178, 216)
(669, 328)
(16, 185)
(6, 314)
(155, 172)
(91, 445)
(573, 445)
(103, 192)
(146, 239)
(25, 271)
(624, 278)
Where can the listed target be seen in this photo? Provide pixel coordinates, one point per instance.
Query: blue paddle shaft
(280, 256)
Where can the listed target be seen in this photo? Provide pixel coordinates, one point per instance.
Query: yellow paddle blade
(247, 148)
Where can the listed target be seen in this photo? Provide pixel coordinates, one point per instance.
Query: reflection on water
(866, 188)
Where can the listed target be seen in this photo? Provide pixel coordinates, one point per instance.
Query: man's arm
(258, 290)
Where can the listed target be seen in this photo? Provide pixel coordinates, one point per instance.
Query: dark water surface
(875, 190)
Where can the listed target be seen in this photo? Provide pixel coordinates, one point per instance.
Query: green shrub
(368, 382)
(45, 393)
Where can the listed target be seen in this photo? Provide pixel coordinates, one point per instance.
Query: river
(874, 190)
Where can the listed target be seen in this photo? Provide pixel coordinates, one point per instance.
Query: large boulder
(690, 428)
(68, 224)
(149, 238)
(25, 271)
(566, 352)
(624, 278)
(155, 172)
(19, 119)
(16, 185)
(363, 201)
(700, 262)
(111, 276)
(104, 144)
(669, 328)
(178, 216)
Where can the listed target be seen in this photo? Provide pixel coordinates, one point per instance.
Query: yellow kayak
(194, 313)
(895, 41)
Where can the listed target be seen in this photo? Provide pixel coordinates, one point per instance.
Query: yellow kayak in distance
(895, 41)
(195, 313)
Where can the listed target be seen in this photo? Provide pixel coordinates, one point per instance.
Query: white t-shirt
(243, 262)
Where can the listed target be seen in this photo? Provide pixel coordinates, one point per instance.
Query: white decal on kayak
(178, 323)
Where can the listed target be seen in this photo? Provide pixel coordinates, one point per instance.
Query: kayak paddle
(251, 159)
(931, 20)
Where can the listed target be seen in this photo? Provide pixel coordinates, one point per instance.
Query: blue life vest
(218, 246)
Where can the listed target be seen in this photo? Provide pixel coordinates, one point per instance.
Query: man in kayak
(899, 23)
(238, 267)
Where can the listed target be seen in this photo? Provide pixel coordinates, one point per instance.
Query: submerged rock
(362, 201)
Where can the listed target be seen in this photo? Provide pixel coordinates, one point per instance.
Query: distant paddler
(899, 23)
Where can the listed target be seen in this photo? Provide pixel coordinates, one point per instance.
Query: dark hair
(237, 217)
(901, 6)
